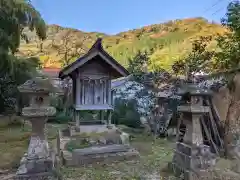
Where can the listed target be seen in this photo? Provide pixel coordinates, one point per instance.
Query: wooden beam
(109, 92)
(109, 117)
(209, 136)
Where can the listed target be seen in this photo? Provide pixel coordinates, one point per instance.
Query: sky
(114, 16)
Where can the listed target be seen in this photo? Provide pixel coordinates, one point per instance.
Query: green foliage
(226, 54)
(23, 70)
(77, 144)
(15, 15)
(125, 112)
(138, 64)
(229, 43)
(57, 102)
(198, 59)
(60, 118)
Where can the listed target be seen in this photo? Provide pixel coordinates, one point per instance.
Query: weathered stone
(35, 166)
(124, 138)
(39, 162)
(37, 176)
(101, 150)
(105, 148)
(104, 158)
(191, 157)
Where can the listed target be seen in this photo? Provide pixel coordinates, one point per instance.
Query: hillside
(167, 42)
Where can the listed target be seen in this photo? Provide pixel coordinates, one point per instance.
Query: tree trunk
(227, 129)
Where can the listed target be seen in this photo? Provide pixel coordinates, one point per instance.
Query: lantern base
(37, 169)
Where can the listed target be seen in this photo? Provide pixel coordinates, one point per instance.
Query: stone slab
(115, 148)
(105, 158)
(38, 176)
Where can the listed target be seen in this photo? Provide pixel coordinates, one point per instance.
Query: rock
(102, 141)
(125, 138)
(236, 165)
(112, 137)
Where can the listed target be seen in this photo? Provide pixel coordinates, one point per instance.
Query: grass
(13, 143)
(154, 156)
(14, 140)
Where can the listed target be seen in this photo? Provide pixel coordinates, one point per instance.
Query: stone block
(38, 176)
(105, 154)
(66, 132)
(35, 166)
(105, 158)
(184, 148)
(115, 148)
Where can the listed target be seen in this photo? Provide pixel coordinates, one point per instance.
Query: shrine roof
(51, 72)
(95, 50)
(37, 85)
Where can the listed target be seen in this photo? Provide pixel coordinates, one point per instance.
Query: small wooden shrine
(91, 76)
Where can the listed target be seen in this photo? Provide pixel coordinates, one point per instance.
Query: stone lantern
(38, 162)
(192, 157)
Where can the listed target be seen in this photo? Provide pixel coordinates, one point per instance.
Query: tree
(154, 83)
(229, 43)
(70, 46)
(138, 64)
(228, 59)
(225, 58)
(24, 69)
(199, 59)
(15, 15)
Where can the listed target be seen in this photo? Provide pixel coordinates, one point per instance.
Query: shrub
(76, 144)
(60, 118)
(125, 112)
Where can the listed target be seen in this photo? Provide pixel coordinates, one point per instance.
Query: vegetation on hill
(165, 42)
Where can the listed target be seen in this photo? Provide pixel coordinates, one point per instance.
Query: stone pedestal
(39, 162)
(189, 160)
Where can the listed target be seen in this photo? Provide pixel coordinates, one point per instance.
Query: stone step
(105, 158)
(97, 155)
(101, 150)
